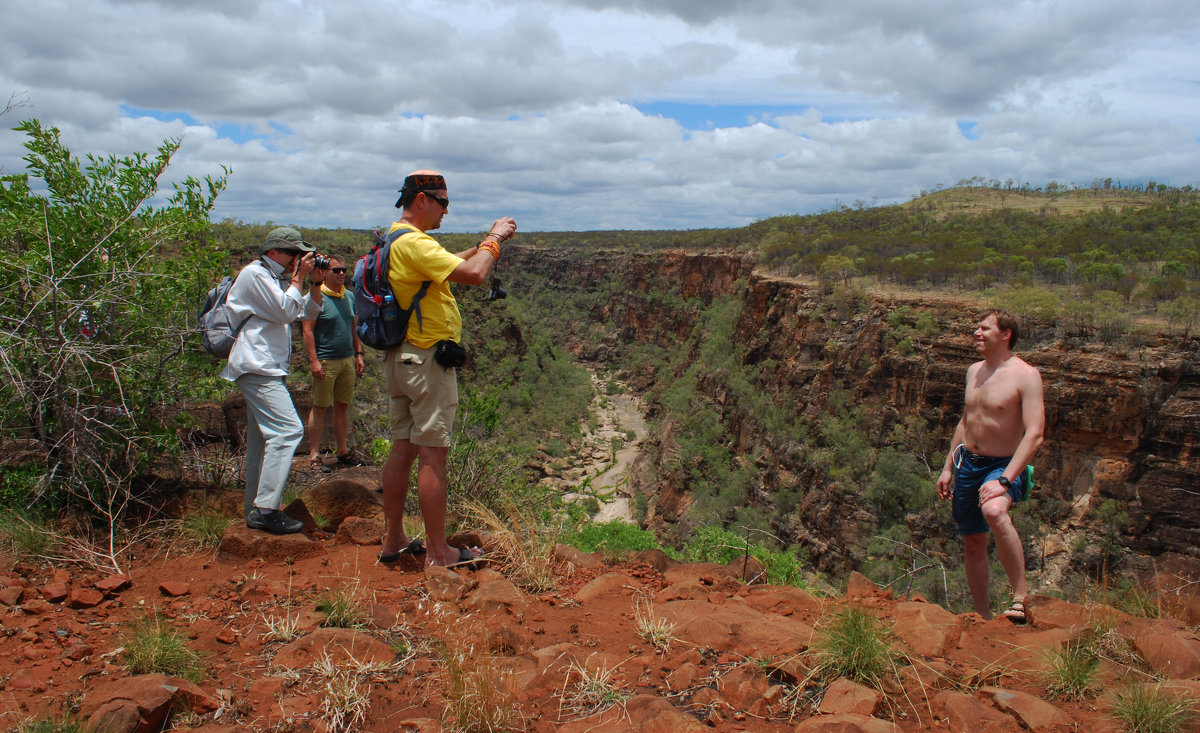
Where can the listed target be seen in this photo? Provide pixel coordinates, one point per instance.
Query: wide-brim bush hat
(285, 238)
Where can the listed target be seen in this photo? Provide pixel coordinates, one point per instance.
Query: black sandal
(415, 547)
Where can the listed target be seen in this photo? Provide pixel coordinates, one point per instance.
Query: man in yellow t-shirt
(424, 394)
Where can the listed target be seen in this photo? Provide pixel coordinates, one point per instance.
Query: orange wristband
(491, 248)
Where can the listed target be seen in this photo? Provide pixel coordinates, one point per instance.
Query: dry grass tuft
(281, 628)
(587, 692)
(654, 629)
(345, 688)
(479, 696)
(525, 548)
(1151, 708)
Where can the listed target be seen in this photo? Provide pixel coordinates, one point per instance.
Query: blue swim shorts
(972, 471)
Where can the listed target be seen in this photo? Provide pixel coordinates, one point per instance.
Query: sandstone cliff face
(1121, 424)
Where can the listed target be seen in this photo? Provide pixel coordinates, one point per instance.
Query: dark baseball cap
(285, 238)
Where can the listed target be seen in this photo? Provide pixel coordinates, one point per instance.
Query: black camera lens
(497, 292)
(321, 262)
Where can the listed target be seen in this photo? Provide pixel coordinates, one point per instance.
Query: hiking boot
(352, 458)
(276, 522)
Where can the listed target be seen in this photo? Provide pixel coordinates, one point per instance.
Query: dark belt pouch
(449, 354)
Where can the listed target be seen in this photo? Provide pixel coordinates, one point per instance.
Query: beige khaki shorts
(338, 384)
(424, 396)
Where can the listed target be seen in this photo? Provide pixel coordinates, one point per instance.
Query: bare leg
(395, 494)
(431, 487)
(316, 428)
(1008, 543)
(975, 562)
(341, 426)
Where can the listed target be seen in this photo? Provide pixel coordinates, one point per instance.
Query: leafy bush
(615, 535)
(721, 546)
(93, 275)
(29, 490)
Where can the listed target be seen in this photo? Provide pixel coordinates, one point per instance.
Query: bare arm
(359, 364)
(474, 270)
(943, 484)
(310, 346)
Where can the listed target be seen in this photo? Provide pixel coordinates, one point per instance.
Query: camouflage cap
(285, 238)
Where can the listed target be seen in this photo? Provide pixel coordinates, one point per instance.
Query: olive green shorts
(338, 384)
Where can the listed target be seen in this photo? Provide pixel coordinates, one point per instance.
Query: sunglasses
(445, 203)
(338, 270)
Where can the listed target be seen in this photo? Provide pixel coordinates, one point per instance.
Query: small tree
(1182, 313)
(98, 278)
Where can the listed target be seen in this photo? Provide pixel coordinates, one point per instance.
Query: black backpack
(217, 330)
(382, 323)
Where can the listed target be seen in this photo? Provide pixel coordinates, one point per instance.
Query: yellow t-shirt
(415, 258)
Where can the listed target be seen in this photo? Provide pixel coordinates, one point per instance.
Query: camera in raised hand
(496, 292)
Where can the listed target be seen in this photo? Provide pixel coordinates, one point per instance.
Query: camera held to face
(321, 262)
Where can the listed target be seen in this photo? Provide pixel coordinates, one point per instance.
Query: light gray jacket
(264, 345)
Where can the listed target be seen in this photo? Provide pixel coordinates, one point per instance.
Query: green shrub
(28, 490)
(97, 264)
(721, 546)
(616, 535)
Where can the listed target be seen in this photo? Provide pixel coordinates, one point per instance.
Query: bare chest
(995, 395)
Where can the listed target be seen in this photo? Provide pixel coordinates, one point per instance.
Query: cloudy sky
(611, 114)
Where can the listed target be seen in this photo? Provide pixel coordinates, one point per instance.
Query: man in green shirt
(335, 357)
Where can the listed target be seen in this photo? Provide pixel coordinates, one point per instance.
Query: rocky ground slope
(629, 643)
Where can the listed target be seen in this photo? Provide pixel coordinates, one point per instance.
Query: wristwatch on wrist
(1005, 482)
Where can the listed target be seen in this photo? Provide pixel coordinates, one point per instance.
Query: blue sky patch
(969, 129)
(130, 111)
(230, 131)
(714, 116)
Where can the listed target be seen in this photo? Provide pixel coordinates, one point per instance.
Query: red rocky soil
(737, 650)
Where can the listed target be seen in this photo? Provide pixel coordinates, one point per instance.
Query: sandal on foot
(1016, 612)
(469, 560)
(414, 547)
(318, 465)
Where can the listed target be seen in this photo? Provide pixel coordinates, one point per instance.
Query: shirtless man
(998, 435)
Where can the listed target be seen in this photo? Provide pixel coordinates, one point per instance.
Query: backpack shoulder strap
(392, 236)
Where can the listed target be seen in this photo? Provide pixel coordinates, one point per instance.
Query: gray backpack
(217, 330)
